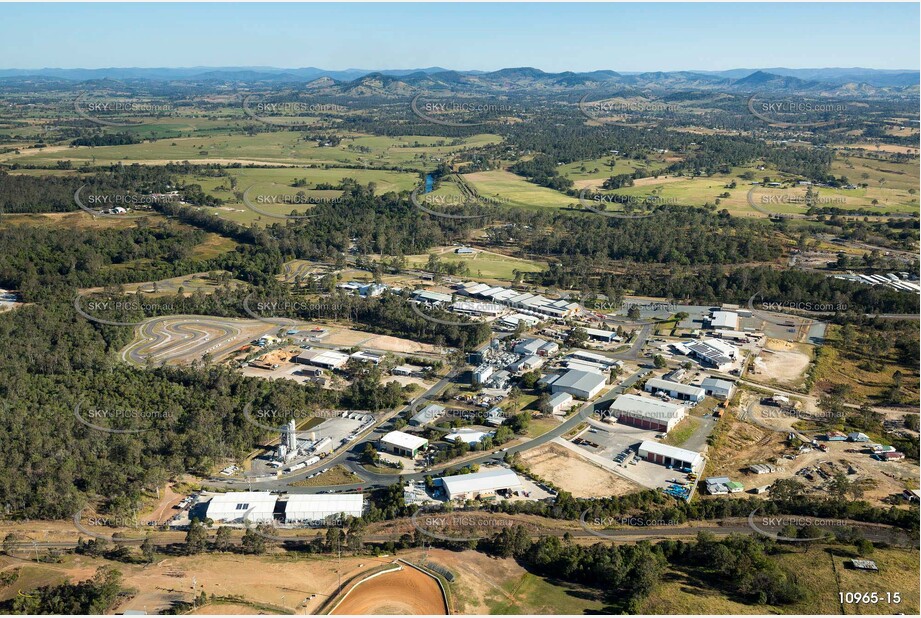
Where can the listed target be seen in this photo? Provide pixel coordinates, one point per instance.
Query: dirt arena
(399, 593)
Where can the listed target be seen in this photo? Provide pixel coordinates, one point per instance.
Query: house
(835, 436)
(856, 436)
(647, 413)
(675, 390)
(670, 455)
(480, 484)
(721, 389)
(403, 444)
(581, 384)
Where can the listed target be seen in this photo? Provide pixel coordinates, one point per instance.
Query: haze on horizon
(483, 37)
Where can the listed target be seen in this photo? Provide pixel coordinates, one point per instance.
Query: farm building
(669, 455)
(304, 508)
(675, 390)
(427, 414)
(721, 389)
(858, 437)
(581, 384)
(559, 403)
(403, 444)
(240, 506)
(480, 484)
(646, 413)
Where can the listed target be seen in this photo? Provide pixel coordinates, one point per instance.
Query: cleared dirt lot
(576, 475)
(781, 362)
(408, 591)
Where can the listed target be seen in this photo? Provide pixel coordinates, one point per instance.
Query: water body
(429, 183)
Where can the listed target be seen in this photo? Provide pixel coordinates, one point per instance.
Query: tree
(633, 312)
(253, 543)
(577, 337)
(222, 539)
(195, 538)
(147, 549)
(369, 454)
(659, 361)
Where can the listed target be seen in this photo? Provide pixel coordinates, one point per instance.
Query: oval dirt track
(405, 592)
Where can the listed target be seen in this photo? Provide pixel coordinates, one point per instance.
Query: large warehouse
(237, 506)
(675, 390)
(480, 484)
(581, 384)
(713, 353)
(670, 455)
(403, 444)
(647, 413)
(307, 508)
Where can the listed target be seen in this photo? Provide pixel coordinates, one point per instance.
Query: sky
(551, 37)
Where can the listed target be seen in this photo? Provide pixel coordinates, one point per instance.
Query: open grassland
(281, 148)
(821, 570)
(481, 265)
(902, 176)
(514, 190)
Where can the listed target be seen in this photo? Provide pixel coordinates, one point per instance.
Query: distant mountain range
(842, 81)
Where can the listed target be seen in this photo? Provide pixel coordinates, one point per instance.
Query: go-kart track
(182, 339)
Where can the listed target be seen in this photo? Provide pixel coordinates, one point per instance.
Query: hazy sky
(552, 37)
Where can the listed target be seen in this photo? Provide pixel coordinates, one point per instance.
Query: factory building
(403, 444)
(559, 403)
(429, 413)
(646, 413)
(604, 336)
(581, 384)
(721, 389)
(328, 359)
(670, 455)
(675, 390)
(480, 484)
(316, 508)
(236, 507)
(725, 320)
(713, 353)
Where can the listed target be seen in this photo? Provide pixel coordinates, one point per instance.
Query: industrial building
(590, 357)
(482, 373)
(328, 359)
(427, 414)
(470, 436)
(559, 403)
(675, 390)
(721, 389)
(541, 347)
(368, 357)
(718, 485)
(480, 484)
(647, 413)
(431, 298)
(713, 353)
(605, 336)
(528, 363)
(670, 455)
(315, 508)
(581, 384)
(725, 320)
(403, 444)
(242, 506)
(473, 308)
(407, 370)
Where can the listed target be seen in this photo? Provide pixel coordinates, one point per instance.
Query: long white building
(480, 484)
(242, 506)
(306, 508)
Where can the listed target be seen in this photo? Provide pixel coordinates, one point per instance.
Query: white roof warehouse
(404, 444)
(237, 506)
(669, 455)
(467, 486)
(581, 384)
(317, 507)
